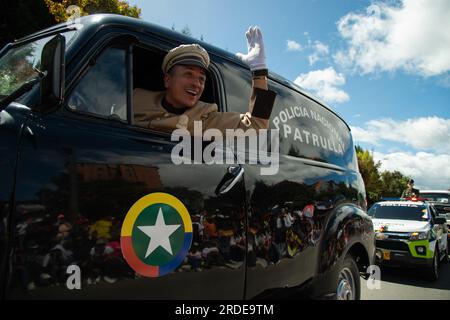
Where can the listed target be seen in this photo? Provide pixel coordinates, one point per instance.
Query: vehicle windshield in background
(413, 212)
(21, 64)
(436, 197)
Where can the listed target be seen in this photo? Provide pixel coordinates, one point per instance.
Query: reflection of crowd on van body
(337, 245)
(48, 246)
(284, 233)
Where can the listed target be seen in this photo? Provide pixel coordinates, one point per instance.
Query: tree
(59, 8)
(378, 185)
(19, 18)
(393, 183)
(370, 173)
(17, 69)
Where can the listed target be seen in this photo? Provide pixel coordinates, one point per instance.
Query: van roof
(92, 23)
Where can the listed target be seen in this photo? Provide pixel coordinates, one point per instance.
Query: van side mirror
(53, 66)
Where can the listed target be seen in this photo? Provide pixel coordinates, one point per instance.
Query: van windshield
(20, 64)
(414, 212)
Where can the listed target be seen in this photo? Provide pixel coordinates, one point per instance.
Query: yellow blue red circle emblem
(153, 211)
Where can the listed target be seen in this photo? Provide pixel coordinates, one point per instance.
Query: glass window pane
(103, 90)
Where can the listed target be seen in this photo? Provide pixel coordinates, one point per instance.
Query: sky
(383, 66)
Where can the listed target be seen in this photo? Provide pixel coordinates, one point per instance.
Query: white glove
(256, 57)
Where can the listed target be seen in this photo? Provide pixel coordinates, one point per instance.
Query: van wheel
(432, 272)
(349, 285)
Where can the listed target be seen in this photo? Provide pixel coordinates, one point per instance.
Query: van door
(80, 171)
(289, 210)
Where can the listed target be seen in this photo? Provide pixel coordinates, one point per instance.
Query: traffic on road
(411, 250)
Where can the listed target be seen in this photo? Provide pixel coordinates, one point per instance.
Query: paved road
(404, 284)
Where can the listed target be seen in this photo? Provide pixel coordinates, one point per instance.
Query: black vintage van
(76, 174)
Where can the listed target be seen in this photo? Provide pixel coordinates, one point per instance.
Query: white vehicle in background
(441, 201)
(410, 234)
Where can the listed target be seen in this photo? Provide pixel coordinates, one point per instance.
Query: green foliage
(24, 17)
(15, 69)
(393, 183)
(59, 8)
(6, 82)
(370, 173)
(378, 185)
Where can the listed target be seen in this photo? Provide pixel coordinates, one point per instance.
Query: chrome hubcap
(346, 285)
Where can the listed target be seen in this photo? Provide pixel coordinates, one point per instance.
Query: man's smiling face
(185, 85)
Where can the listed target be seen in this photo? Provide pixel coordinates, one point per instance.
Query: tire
(432, 272)
(349, 282)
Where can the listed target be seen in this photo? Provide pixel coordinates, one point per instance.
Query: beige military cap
(186, 54)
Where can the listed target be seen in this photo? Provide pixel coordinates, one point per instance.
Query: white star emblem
(159, 234)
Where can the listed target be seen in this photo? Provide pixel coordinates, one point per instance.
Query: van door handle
(233, 175)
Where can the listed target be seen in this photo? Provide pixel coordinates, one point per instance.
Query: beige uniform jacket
(149, 113)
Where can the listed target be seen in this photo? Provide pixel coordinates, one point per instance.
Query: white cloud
(429, 171)
(363, 135)
(445, 81)
(324, 83)
(319, 50)
(293, 46)
(428, 133)
(406, 34)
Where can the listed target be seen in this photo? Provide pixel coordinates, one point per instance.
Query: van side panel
(292, 213)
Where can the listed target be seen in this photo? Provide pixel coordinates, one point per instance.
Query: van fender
(349, 230)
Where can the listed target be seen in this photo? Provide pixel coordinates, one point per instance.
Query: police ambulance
(410, 234)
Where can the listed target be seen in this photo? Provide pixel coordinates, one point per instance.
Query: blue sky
(384, 66)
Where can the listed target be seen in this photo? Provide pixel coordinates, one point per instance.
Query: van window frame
(82, 75)
(105, 39)
(128, 40)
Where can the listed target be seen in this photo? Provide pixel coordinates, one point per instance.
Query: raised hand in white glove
(256, 57)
